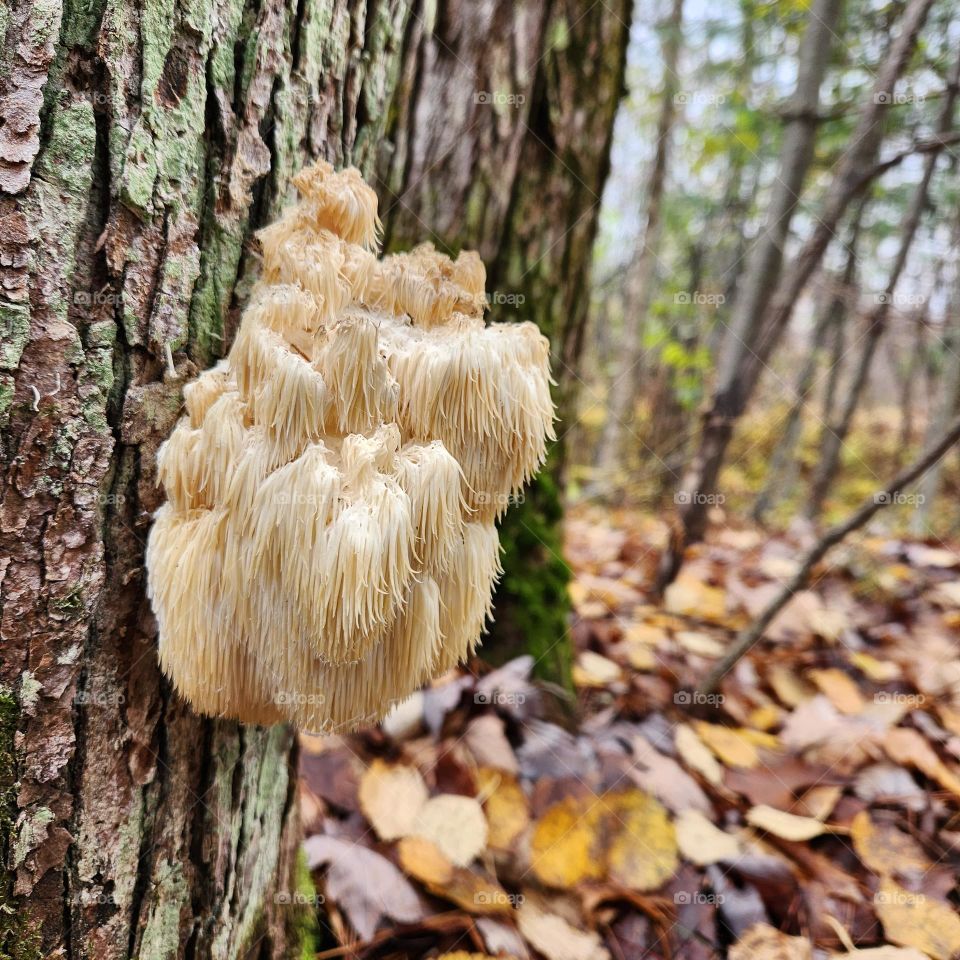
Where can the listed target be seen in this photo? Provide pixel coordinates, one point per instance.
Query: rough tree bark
(765, 306)
(499, 140)
(140, 145)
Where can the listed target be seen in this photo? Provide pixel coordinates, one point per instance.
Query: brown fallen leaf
(666, 779)
(916, 920)
(486, 740)
(391, 797)
(366, 885)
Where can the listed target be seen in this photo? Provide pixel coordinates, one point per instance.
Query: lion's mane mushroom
(328, 543)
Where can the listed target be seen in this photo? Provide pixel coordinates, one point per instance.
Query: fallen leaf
(732, 746)
(879, 671)
(840, 689)
(556, 939)
(885, 849)
(666, 779)
(643, 852)
(916, 920)
(818, 802)
(455, 824)
(690, 597)
(640, 657)
(701, 644)
(696, 755)
(790, 689)
(567, 847)
(787, 826)
(594, 670)
(486, 740)
(763, 942)
(703, 843)
(506, 807)
(366, 885)
(391, 797)
(502, 940)
(911, 749)
(881, 953)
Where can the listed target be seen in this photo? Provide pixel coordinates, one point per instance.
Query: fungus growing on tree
(328, 544)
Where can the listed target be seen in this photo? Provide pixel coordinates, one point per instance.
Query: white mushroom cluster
(328, 544)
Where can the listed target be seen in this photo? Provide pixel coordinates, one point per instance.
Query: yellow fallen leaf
(505, 805)
(641, 657)
(828, 624)
(881, 953)
(763, 942)
(702, 842)
(730, 745)
(791, 691)
(695, 755)
(885, 849)
(916, 920)
(766, 717)
(840, 689)
(690, 597)
(594, 670)
(455, 824)
(880, 671)
(391, 797)
(643, 852)
(787, 826)
(566, 847)
(624, 835)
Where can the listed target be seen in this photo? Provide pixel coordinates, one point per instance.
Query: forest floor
(809, 809)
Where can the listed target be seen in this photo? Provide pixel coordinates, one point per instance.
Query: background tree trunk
(499, 140)
(140, 146)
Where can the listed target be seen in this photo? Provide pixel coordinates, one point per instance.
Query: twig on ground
(830, 539)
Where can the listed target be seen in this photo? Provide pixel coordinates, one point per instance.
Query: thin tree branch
(830, 539)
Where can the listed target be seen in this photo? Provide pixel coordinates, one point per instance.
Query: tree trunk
(499, 140)
(784, 464)
(765, 307)
(641, 272)
(140, 146)
(835, 432)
